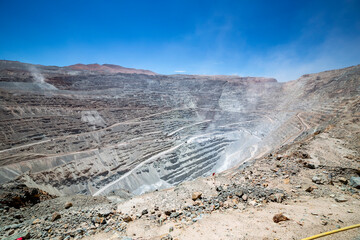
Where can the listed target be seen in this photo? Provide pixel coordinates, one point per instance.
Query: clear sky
(281, 39)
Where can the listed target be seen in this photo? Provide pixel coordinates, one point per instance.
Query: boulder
(355, 182)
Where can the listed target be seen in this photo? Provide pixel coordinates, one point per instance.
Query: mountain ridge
(109, 68)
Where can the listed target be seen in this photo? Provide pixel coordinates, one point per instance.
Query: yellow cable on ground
(331, 232)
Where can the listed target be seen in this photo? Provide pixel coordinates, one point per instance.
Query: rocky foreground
(304, 188)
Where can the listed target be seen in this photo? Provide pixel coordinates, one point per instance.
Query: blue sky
(281, 39)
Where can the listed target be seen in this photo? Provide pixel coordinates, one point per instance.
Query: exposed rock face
(70, 130)
(21, 196)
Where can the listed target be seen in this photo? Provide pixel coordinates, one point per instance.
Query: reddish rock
(109, 68)
(279, 218)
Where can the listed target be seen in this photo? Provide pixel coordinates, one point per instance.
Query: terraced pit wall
(95, 133)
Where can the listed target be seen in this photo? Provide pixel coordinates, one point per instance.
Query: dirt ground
(307, 217)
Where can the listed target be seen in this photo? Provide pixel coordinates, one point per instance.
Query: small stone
(343, 180)
(310, 164)
(244, 197)
(18, 216)
(340, 199)
(127, 218)
(311, 188)
(279, 218)
(23, 235)
(355, 182)
(68, 205)
(13, 226)
(171, 229)
(239, 193)
(174, 215)
(253, 203)
(196, 195)
(167, 237)
(99, 220)
(36, 221)
(319, 179)
(11, 232)
(277, 197)
(126, 238)
(55, 216)
(104, 212)
(145, 211)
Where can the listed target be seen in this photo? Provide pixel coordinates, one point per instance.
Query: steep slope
(310, 181)
(96, 132)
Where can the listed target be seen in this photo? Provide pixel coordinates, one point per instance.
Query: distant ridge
(109, 68)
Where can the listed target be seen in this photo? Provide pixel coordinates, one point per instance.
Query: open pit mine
(104, 129)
